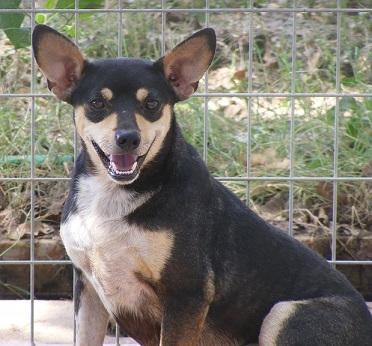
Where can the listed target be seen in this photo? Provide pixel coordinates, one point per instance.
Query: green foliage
(11, 24)
(19, 36)
(71, 4)
(10, 20)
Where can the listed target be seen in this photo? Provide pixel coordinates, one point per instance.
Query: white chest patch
(112, 253)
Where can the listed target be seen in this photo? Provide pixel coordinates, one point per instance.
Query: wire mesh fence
(283, 119)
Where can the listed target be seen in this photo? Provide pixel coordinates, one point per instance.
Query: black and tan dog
(158, 243)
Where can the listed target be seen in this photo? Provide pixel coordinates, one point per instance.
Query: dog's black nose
(127, 139)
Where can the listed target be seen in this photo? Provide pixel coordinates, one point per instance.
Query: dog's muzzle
(121, 167)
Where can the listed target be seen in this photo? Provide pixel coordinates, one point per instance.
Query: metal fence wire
(211, 7)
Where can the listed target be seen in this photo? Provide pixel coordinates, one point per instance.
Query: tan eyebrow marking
(107, 94)
(141, 94)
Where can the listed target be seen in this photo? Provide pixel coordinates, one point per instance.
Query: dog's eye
(151, 104)
(97, 103)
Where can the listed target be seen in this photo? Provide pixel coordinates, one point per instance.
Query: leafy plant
(20, 37)
(11, 23)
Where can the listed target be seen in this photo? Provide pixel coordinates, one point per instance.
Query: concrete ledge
(53, 323)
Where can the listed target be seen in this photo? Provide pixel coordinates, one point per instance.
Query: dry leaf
(270, 59)
(44, 228)
(55, 207)
(268, 158)
(16, 233)
(325, 189)
(221, 78)
(312, 53)
(241, 74)
(276, 204)
(3, 199)
(237, 109)
(232, 110)
(25, 228)
(323, 217)
(367, 170)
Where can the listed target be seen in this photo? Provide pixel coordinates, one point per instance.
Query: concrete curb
(53, 323)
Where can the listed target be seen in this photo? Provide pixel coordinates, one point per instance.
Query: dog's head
(123, 107)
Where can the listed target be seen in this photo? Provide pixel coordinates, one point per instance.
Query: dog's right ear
(59, 59)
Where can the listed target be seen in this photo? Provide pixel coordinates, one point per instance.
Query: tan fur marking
(275, 321)
(154, 132)
(145, 255)
(162, 243)
(102, 133)
(148, 260)
(209, 287)
(80, 119)
(141, 94)
(107, 94)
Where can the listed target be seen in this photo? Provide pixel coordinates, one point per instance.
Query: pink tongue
(123, 162)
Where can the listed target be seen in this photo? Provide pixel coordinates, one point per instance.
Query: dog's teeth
(119, 172)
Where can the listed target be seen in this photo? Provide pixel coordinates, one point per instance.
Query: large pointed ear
(187, 62)
(58, 58)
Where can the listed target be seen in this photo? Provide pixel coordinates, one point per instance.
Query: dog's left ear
(187, 62)
(59, 59)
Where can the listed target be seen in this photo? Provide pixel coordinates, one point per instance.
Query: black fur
(79, 286)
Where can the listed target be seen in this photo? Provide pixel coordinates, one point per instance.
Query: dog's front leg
(91, 316)
(183, 321)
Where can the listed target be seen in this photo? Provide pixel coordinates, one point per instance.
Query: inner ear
(59, 59)
(186, 64)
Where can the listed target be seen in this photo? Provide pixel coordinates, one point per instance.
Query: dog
(159, 244)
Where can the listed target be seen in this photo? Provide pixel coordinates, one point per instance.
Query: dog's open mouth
(123, 167)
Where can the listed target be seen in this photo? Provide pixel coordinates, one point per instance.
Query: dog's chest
(117, 258)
